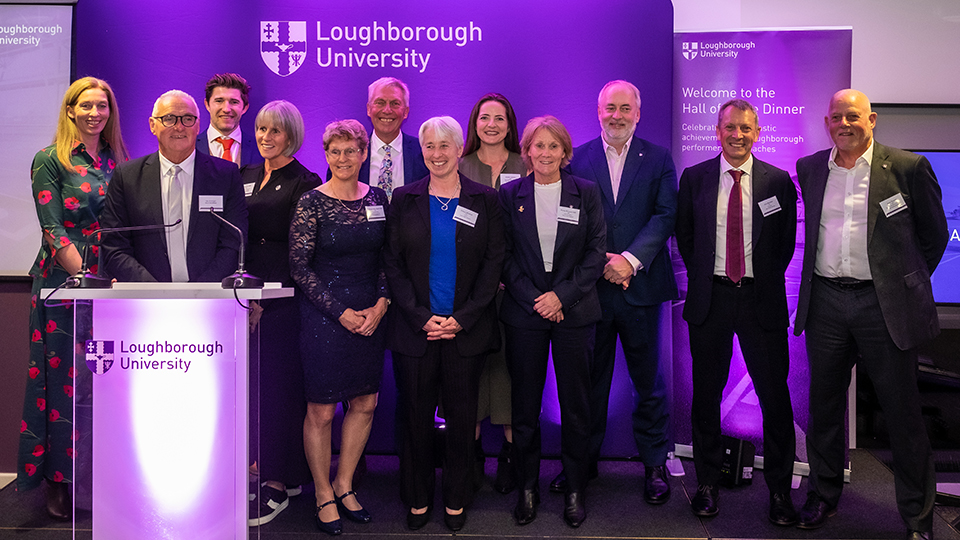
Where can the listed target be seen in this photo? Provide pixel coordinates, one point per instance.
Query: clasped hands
(364, 321)
(440, 327)
(618, 270)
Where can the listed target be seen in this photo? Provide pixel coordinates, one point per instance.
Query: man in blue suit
(638, 182)
(227, 98)
(736, 230)
(395, 158)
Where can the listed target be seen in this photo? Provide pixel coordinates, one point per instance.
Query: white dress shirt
(723, 199)
(842, 243)
(186, 182)
(216, 149)
(615, 162)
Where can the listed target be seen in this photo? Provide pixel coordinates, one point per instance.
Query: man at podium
(161, 195)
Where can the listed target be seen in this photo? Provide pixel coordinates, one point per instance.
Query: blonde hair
(67, 131)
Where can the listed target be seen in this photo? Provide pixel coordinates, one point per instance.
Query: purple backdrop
(789, 76)
(546, 57)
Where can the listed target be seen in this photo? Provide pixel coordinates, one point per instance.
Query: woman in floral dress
(69, 179)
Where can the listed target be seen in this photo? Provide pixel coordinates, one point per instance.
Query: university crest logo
(99, 356)
(283, 45)
(690, 49)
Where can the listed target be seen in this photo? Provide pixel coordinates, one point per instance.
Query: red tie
(735, 258)
(227, 144)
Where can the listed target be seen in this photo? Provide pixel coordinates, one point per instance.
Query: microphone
(240, 279)
(84, 279)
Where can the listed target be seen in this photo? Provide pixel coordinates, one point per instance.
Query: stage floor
(615, 509)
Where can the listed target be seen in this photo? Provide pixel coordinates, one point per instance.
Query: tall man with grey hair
(395, 158)
(875, 231)
(736, 230)
(167, 186)
(638, 182)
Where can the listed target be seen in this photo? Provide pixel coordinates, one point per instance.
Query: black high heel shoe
(333, 528)
(360, 516)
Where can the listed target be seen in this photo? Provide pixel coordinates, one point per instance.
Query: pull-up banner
(789, 76)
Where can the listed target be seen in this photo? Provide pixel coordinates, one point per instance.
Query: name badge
(568, 215)
(375, 213)
(248, 189)
(505, 178)
(466, 216)
(893, 205)
(211, 202)
(769, 206)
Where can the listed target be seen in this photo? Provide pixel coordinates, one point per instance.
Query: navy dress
(335, 258)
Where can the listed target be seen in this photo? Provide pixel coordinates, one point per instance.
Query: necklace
(348, 209)
(444, 206)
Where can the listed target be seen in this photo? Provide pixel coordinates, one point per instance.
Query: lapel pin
(885, 165)
(277, 188)
(520, 209)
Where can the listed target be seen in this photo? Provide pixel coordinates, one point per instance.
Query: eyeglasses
(170, 120)
(348, 153)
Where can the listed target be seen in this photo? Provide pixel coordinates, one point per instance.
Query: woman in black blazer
(555, 252)
(443, 261)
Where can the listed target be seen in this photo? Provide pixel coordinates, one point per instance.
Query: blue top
(443, 256)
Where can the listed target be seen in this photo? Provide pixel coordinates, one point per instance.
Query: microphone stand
(240, 279)
(84, 279)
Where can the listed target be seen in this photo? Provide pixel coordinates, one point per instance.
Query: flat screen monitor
(946, 279)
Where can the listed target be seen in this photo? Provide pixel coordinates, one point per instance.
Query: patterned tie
(385, 180)
(735, 258)
(227, 144)
(176, 236)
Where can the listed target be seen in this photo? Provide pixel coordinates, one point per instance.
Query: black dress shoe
(506, 480)
(455, 522)
(919, 535)
(704, 503)
(59, 504)
(559, 482)
(360, 516)
(333, 528)
(656, 486)
(782, 512)
(814, 512)
(526, 510)
(574, 510)
(418, 521)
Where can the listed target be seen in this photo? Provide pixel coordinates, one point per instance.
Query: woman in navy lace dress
(336, 240)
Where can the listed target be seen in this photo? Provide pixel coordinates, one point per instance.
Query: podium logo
(283, 45)
(99, 356)
(690, 49)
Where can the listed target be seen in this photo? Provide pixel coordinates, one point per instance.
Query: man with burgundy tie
(736, 231)
(227, 98)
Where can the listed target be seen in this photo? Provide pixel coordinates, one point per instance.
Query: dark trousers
(841, 324)
(442, 372)
(766, 355)
(527, 352)
(639, 330)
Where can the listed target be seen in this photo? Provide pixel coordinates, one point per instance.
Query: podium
(161, 409)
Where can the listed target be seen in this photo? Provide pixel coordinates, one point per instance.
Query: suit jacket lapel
(527, 218)
(880, 186)
(813, 201)
(152, 192)
(598, 159)
(569, 198)
(631, 170)
(760, 187)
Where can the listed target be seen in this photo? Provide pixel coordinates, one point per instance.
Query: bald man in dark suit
(875, 232)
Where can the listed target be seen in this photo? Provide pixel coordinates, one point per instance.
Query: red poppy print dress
(68, 205)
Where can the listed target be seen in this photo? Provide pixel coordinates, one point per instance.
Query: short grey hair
(384, 82)
(285, 116)
(445, 127)
(741, 105)
(628, 84)
(171, 94)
